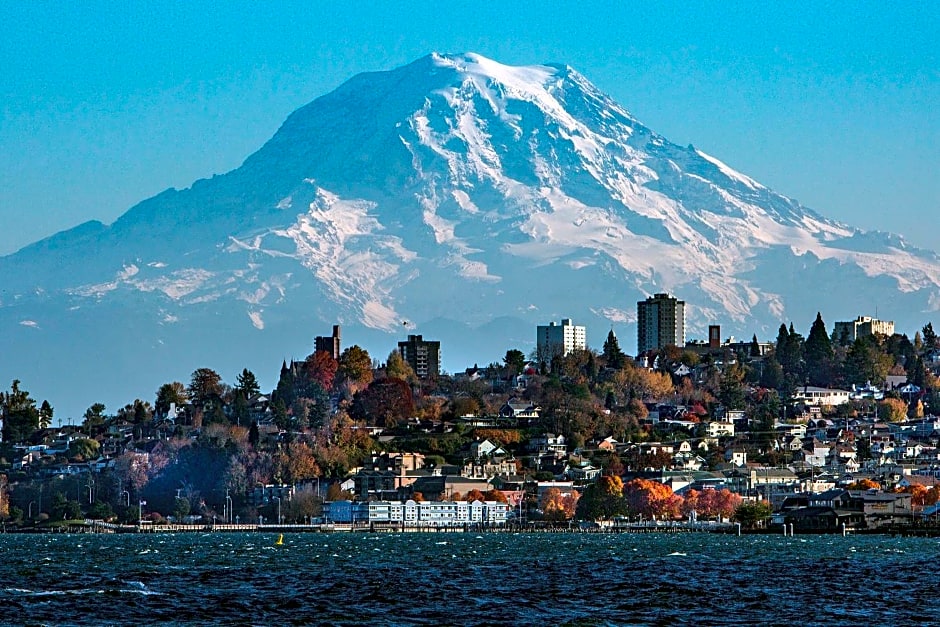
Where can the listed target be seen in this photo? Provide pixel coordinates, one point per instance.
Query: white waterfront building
(438, 513)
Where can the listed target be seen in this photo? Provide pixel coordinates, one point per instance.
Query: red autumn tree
(321, 367)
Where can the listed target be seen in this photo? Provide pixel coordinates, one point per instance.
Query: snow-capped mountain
(454, 197)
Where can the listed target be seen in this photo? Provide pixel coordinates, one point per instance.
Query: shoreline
(100, 527)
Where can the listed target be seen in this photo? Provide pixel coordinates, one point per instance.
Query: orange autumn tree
(651, 499)
(919, 494)
(474, 495)
(864, 484)
(933, 496)
(557, 506)
(495, 495)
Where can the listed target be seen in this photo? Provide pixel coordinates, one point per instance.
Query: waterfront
(465, 579)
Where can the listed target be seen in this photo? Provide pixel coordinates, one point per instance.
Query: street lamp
(29, 509)
(140, 511)
(126, 495)
(279, 521)
(228, 506)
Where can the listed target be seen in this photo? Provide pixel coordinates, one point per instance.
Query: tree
(19, 414)
(752, 513)
(514, 361)
(930, 337)
(64, 509)
(864, 484)
(240, 412)
(297, 464)
(865, 362)
(205, 387)
(336, 493)
(819, 355)
(731, 388)
(789, 354)
(651, 499)
(181, 508)
(45, 415)
(397, 368)
(495, 495)
(322, 368)
(602, 499)
(170, 393)
(892, 410)
(557, 506)
(247, 383)
(355, 366)
(83, 449)
(94, 416)
(474, 495)
(386, 402)
(613, 356)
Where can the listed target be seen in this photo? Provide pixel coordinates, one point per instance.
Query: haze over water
(465, 579)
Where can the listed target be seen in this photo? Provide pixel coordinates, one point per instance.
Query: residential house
(719, 428)
(519, 411)
(548, 443)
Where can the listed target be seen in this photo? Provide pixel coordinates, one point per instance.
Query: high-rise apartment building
(660, 322)
(558, 340)
(424, 356)
(848, 332)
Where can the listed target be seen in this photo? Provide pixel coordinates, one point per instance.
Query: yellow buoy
(280, 539)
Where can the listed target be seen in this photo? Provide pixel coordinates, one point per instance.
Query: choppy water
(466, 579)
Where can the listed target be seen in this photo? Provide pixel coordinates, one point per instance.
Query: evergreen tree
(731, 388)
(755, 347)
(789, 354)
(514, 360)
(930, 338)
(285, 384)
(253, 434)
(240, 412)
(612, 353)
(819, 354)
(866, 363)
(45, 415)
(94, 416)
(19, 413)
(771, 374)
(247, 383)
(281, 419)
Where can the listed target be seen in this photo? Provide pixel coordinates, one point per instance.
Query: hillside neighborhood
(829, 432)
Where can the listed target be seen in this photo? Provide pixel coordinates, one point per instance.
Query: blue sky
(105, 104)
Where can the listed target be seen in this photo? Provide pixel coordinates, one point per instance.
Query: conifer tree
(612, 353)
(819, 354)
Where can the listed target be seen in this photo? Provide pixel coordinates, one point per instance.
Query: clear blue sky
(105, 104)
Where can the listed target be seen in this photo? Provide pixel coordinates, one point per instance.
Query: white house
(811, 395)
